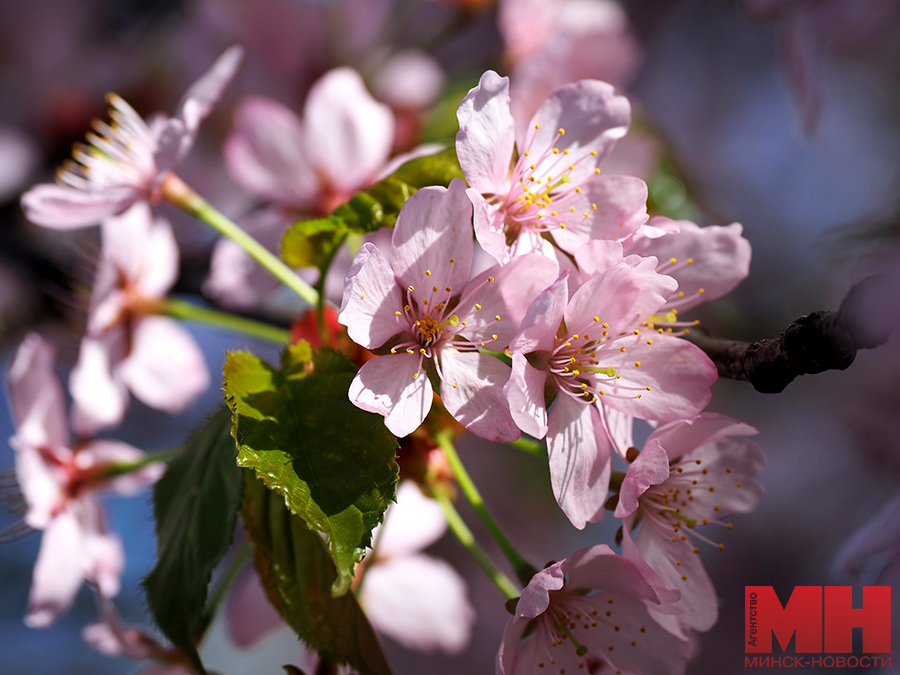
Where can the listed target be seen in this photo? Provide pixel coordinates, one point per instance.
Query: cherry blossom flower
(416, 599)
(414, 297)
(707, 262)
(604, 355)
(590, 611)
(554, 191)
(690, 473)
(127, 158)
(60, 481)
(302, 166)
(113, 638)
(126, 346)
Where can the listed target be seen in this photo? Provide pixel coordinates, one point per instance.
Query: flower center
(429, 331)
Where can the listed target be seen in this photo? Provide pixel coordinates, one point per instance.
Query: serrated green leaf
(195, 505)
(332, 463)
(298, 574)
(311, 243)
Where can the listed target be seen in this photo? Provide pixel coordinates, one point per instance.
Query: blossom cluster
(536, 297)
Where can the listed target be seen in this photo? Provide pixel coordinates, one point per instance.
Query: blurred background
(783, 115)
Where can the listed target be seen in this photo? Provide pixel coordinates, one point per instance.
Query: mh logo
(821, 616)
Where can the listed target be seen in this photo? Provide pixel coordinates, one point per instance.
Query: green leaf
(298, 574)
(195, 505)
(311, 243)
(333, 463)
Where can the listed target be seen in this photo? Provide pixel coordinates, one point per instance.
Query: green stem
(214, 317)
(531, 446)
(467, 539)
(524, 570)
(183, 196)
(121, 468)
(320, 289)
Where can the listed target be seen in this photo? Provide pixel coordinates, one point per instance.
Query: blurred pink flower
(555, 187)
(303, 166)
(588, 611)
(412, 297)
(126, 346)
(550, 43)
(690, 473)
(60, 482)
(604, 356)
(125, 163)
(111, 637)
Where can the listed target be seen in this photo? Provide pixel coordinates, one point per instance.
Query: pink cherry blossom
(312, 165)
(416, 599)
(707, 262)
(588, 611)
(555, 191)
(60, 481)
(606, 356)
(691, 473)
(126, 346)
(127, 158)
(413, 297)
(111, 637)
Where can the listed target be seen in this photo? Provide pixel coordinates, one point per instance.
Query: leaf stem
(180, 309)
(122, 468)
(179, 193)
(467, 539)
(524, 570)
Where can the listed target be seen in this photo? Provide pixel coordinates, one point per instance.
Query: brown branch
(812, 344)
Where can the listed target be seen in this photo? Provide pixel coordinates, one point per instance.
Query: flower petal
(165, 369)
(486, 137)
(348, 133)
(394, 386)
(650, 468)
(419, 601)
(266, 153)
(619, 428)
(525, 393)
(36, 396)
(542, 319)
(434, 227)
(580, 460)
(102, 452)
(250, 617)
(57, 571)
(472, 391)
(371, 298)
(415, 522)
(99, 396)
(65, 208)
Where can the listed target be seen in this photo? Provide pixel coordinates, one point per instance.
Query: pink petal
(535, 599)
(102, 558)
(348, 133)
(65, 208)
(598, 567)
(57, 572)
(266, 153)
(41, 479)
(99, 395)
(542, 319)
(434, 228)
(580, 460)
(650, 468)
(472, 391)
(371, 298)
(623, 297)
(414, 523)
(684, 437)
(593, 118)
(488, 222)
(678, 373)
(165, 368)
(202, 96)
(699, 602)
(235, 279)
(484, 143)
(419, 601)
(597, 256)
(250, 617)
(394, 386)
(619, 428)
(411, 80)
(720, 260)
(525, 393)
(36, 396)
(504, 292)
